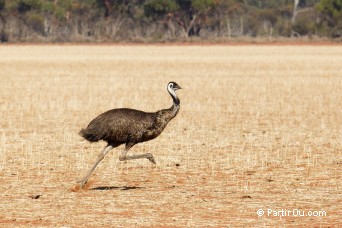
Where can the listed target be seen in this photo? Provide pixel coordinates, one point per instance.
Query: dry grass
(259, 127)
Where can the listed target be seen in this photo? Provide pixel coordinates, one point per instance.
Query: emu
(129, 127)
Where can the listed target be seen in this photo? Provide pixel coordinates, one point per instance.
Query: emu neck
(168, 114)
(175, 99)
(164, 116)
(176, 103)
(174, 96)
(174, 109)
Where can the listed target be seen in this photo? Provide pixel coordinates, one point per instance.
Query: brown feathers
(122, 126)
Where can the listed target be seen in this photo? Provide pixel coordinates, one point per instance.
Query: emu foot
(151, 158)
(82, 182)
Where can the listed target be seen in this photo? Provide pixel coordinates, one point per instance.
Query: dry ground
(260, 127)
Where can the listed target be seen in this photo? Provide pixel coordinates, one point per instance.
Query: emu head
(171, 88)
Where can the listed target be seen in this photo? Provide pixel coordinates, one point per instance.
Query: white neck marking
(171, 91)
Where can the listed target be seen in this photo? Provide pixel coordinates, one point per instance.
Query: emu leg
(149, 156)
(125, 157)
(100, 157)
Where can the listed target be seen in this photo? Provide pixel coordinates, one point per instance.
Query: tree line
(166, 20)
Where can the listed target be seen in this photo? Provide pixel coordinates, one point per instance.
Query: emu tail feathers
(89, 135)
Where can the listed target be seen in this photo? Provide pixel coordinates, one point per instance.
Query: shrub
(35, 21)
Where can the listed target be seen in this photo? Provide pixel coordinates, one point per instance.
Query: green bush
(158, 8)
(330, 17)
(2, 4)
(35, 21)
(305, 23)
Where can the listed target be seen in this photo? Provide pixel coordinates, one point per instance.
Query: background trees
(329, 17)
(158, 20)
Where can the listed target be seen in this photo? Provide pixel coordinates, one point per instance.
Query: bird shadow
(123, 188)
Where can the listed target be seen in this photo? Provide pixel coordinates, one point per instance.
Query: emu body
(129, 127)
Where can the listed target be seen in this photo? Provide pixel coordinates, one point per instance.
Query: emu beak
(177, 87)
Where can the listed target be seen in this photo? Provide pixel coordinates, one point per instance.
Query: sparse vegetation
(259, 127)
(167, 20)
